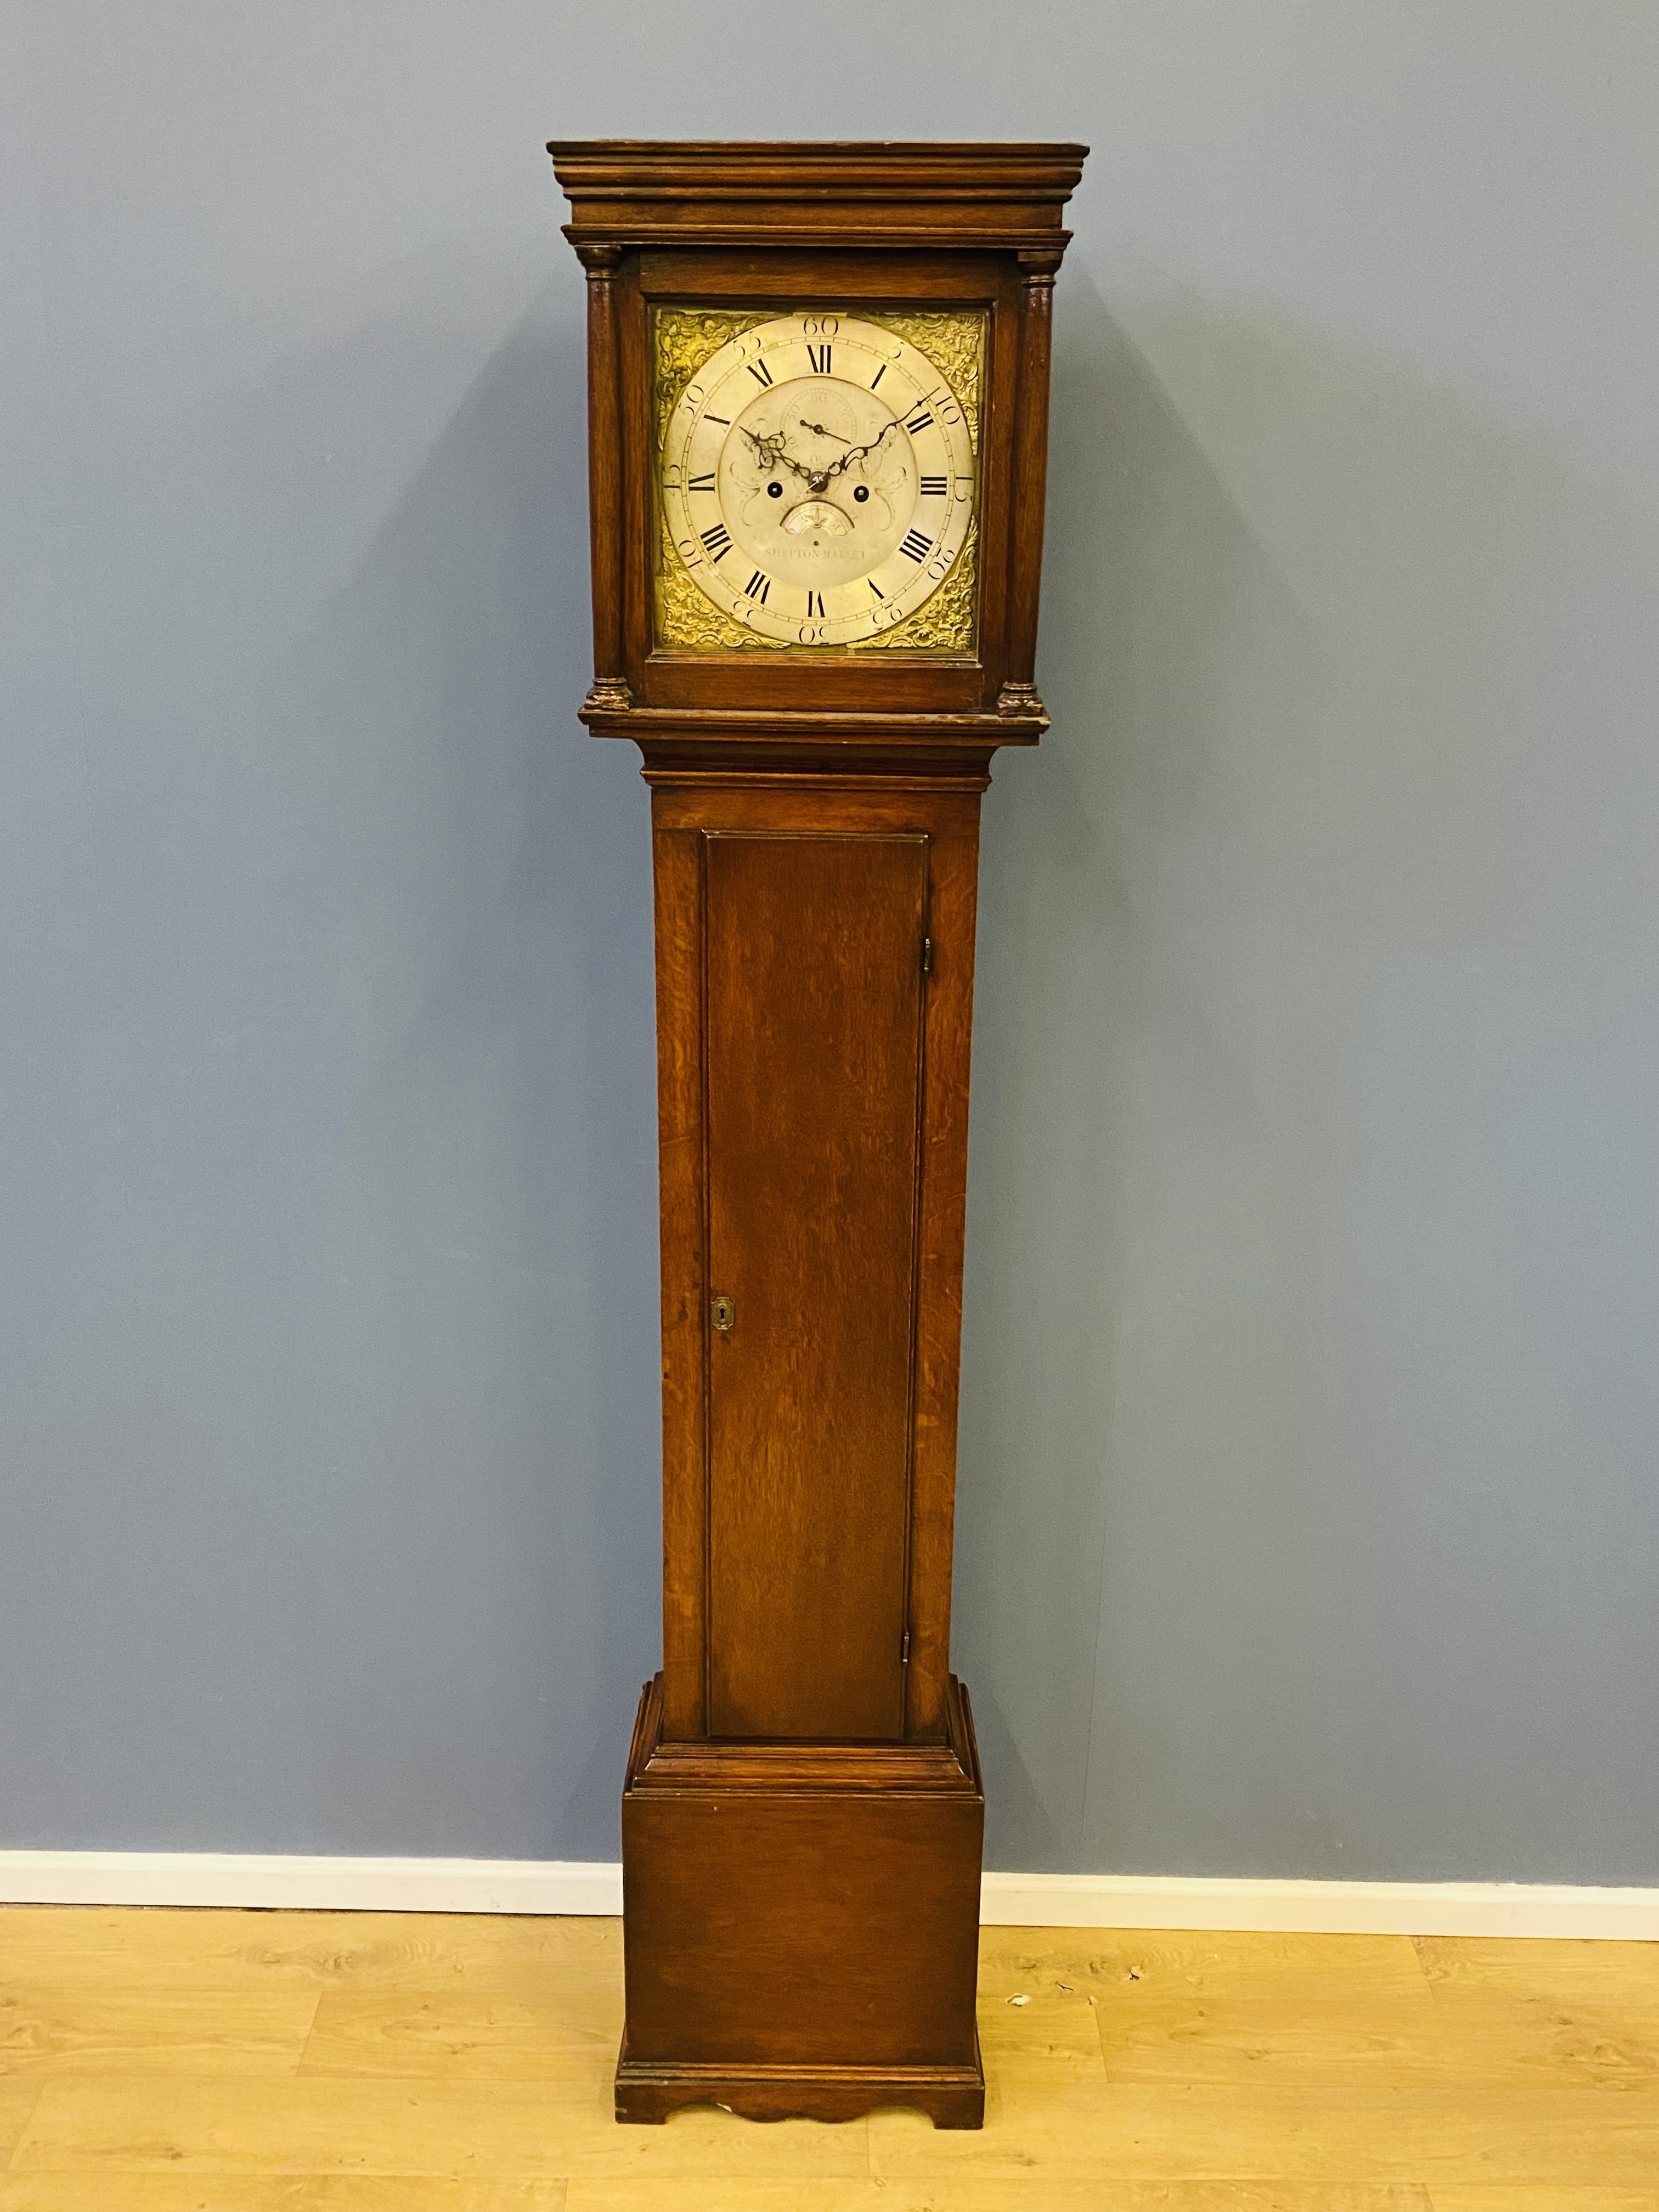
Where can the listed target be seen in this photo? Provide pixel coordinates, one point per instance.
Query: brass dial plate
(816, 477)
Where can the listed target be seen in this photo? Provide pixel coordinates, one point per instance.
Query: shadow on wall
(1265, 926)
(343, 1331)
(504, 1175)
(1149, 573)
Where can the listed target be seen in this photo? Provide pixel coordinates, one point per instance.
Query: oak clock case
(817, 421)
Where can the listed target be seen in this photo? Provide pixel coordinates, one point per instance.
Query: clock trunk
(815, 948)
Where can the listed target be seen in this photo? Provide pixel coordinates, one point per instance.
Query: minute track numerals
(834, 460)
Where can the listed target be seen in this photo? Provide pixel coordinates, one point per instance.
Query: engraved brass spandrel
(683, 338)
(955, 344)
(943, 623)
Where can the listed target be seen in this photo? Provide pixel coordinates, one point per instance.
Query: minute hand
(857, 453)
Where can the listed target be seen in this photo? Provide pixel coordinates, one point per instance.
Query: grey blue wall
(1308, 1514)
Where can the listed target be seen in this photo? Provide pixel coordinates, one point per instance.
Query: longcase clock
(818, 394)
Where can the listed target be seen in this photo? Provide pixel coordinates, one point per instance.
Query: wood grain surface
(813, 989)
(961, 226)
(272, 2061)
(800, 1926)
(812, 1088)
(815, 817)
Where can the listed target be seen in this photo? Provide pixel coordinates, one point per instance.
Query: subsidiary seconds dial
(818, 479)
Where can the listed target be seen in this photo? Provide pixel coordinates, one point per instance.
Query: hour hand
(770, 452)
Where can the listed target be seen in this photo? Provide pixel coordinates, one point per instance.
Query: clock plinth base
(801, 1925)
(952, 2097)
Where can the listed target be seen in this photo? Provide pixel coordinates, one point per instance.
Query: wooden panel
(887, 682)
(952, 893)
(790, 804)
(932, 278)
(822, 1931)
(814, 987)
(787, 803)
(678, 874)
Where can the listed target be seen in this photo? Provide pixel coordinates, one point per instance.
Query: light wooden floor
(244, 2062)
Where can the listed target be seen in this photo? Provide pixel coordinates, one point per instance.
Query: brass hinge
(926, 956)
(904, 1649)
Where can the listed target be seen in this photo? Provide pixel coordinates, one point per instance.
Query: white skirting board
(1040, 1900)
(313, 1884)
(1317, 1908)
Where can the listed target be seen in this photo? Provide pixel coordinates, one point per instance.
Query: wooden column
(1018, 695)
(605, 477)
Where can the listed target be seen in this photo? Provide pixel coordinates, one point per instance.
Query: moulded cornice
(635, 192)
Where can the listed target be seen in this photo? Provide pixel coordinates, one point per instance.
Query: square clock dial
(818, 480)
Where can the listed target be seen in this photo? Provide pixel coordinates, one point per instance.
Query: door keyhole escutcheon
(722, 1313)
